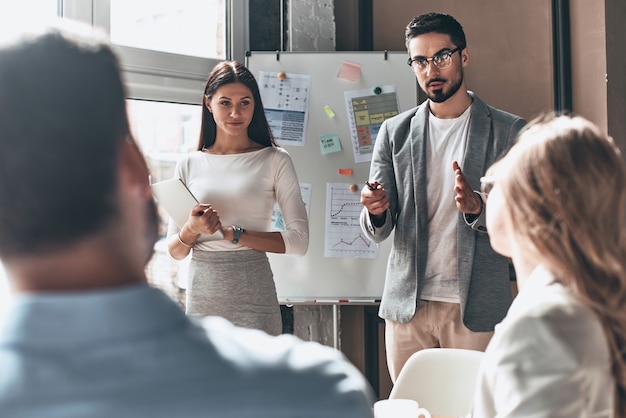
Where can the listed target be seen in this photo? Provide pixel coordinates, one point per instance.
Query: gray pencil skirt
(236, 285)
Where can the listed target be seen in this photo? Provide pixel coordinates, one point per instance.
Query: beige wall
(510, 45)
(615, 15)
(599, 64)
(589, 94)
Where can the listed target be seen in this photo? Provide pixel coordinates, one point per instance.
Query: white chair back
(441, 380)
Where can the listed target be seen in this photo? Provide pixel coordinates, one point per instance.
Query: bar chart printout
(344, 237)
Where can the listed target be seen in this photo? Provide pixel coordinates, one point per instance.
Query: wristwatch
(237, 234)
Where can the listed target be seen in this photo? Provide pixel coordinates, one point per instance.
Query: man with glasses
(445, 286)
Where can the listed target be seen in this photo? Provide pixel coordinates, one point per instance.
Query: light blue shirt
(131, 352)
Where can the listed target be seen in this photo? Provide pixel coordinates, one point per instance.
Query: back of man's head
(62, 117)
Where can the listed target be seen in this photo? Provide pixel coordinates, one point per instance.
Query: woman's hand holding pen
(203, 219)
(374, 198)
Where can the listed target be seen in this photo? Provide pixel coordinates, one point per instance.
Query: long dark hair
(227, 72)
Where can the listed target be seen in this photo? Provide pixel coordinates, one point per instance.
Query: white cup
(399, 408)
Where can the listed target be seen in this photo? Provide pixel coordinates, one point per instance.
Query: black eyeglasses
(441, 60)
(486, 184)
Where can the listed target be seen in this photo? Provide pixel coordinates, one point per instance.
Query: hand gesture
(374, 198)
(466, 200)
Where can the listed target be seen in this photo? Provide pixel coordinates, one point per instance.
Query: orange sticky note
(345, 171)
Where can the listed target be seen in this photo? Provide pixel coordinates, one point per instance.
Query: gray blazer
(399, 164)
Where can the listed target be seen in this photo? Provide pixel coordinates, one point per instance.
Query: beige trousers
(435, 324)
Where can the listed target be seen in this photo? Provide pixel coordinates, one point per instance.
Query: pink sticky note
(350, 71)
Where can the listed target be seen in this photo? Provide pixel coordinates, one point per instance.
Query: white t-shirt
(445, 143)
(243, 189)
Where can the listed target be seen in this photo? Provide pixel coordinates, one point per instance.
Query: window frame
(161, 76)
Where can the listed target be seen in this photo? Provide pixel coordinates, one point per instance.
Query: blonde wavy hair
(568, 182)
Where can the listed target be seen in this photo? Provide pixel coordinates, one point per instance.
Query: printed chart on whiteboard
(286, 102)
(344, 237)
(367, 110)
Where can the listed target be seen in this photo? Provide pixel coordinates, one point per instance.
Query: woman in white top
(557, 206)
(237, 173)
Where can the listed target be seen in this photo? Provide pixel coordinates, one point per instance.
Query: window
(167, 47)
(17, 15)
(28, 10)
(164, 132)
(187, 27)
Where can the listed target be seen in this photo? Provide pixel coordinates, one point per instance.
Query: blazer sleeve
(375, 233)
(477, 222)
(382, 170)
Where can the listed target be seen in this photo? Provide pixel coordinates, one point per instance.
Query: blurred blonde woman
(556, 205)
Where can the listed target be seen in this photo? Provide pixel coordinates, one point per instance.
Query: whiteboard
(314, 277)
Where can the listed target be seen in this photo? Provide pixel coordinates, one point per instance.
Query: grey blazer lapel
(419, 126)
(473, 166)
(478, 139)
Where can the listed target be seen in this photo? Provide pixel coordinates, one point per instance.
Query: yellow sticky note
(329, 111)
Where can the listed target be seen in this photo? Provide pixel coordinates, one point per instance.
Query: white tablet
(178, 201)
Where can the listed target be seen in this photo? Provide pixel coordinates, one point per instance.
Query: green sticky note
(329, 111)
(330, 143)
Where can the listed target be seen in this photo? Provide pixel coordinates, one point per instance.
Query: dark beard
(439, 96)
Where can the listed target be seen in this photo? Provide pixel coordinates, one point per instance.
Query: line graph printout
(344, 237)
(367, 110)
